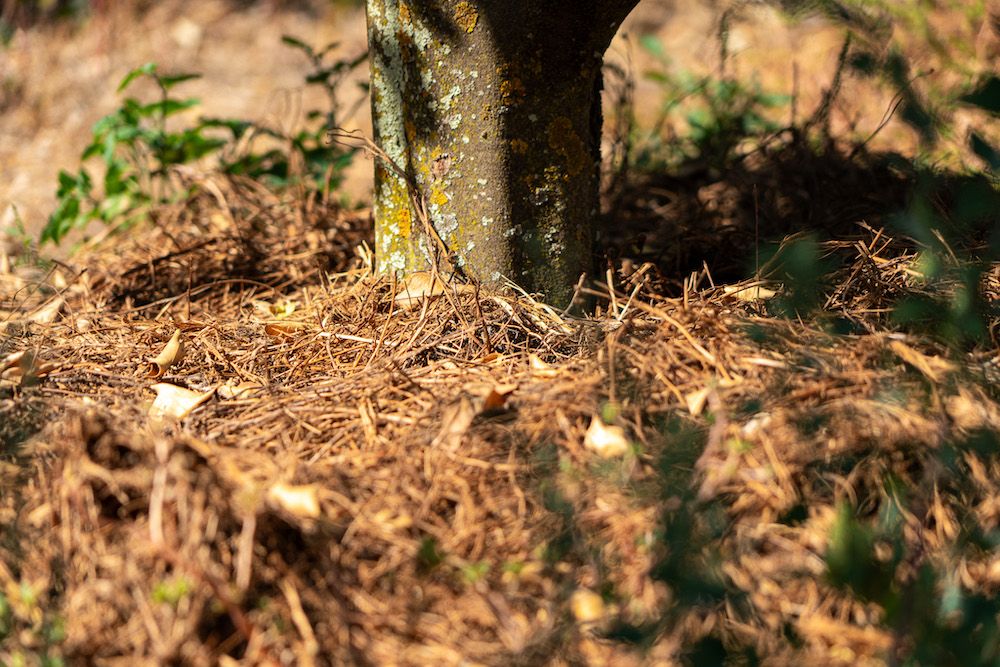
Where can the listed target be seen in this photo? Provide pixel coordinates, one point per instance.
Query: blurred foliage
(138, 150)
(16, 14)
(23, 615)
(719, 113)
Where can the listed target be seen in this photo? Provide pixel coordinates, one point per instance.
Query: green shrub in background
(719, 113)
(137, 148)
(137, 151)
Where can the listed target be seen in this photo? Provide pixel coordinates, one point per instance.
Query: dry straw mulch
(372, 479)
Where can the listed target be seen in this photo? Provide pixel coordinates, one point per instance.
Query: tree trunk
(489, 113)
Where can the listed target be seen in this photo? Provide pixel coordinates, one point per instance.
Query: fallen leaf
(456, 421)
(171, 354)
(47, 313)
(416, 287)
(20, 368)
(541, 368)
(283, 310)
(933, 368)
(174, 401)
(587, 606)
(284, 329)
(15, 359)
(496, 398)
(605, 441)
(424, 285)
(696, 400)
(301, 501)
(233, 389)
(751, 293)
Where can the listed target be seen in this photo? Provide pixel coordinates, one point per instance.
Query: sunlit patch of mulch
(369, 478)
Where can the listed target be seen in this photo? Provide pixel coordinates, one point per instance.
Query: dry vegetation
(365, 472)
(374, 481)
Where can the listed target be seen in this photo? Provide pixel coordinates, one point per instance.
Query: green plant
(36, 634)
(716, 113)
(137, 150)
(320, 162)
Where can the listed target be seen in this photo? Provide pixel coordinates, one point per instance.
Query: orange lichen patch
(438, 195)
(405, 221)
(405, 17)
(396, 204)
(512, 91)
(519, 146)
(564, 140)
(466, 16)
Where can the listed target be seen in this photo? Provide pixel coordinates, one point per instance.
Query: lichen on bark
(486, 110)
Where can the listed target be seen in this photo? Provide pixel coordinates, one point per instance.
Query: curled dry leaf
(418, 286)
(605, 441)
(233, 389)
(587, 606)
(456, 421)
(271, 311)
(174, 401)
(301, 501)
(20, 368)
(749, 293)
(933, 368)
(284, 328)
(48, 312)
(496, 397)
(171, 354)
(424, 285)
(541, 368)
(696, 400)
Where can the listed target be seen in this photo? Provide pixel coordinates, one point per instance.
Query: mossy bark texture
(489, 110)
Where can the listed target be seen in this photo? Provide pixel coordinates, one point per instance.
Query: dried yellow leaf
(605, 441)
(933, 368)
(587, 606)
(47, 313)
(234, 389)
(301, 501)
(696, 400)
(171, 354)
(174, 401)
(285, 328)
(541, 368)
(424, 285)
(750, 293)
(418, 286)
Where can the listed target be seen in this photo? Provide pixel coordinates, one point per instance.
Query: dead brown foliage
(370, 483)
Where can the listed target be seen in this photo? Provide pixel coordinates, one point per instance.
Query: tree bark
(489, 112)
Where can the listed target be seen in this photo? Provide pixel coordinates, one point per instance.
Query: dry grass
(411, 485)
(370, 483)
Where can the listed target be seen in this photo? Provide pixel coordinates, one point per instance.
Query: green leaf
(168, 107)
(296, 43)
(147, 69)
(168, 82)
(653, 45)
(114, 206)
(237, 127)
(326, 49)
